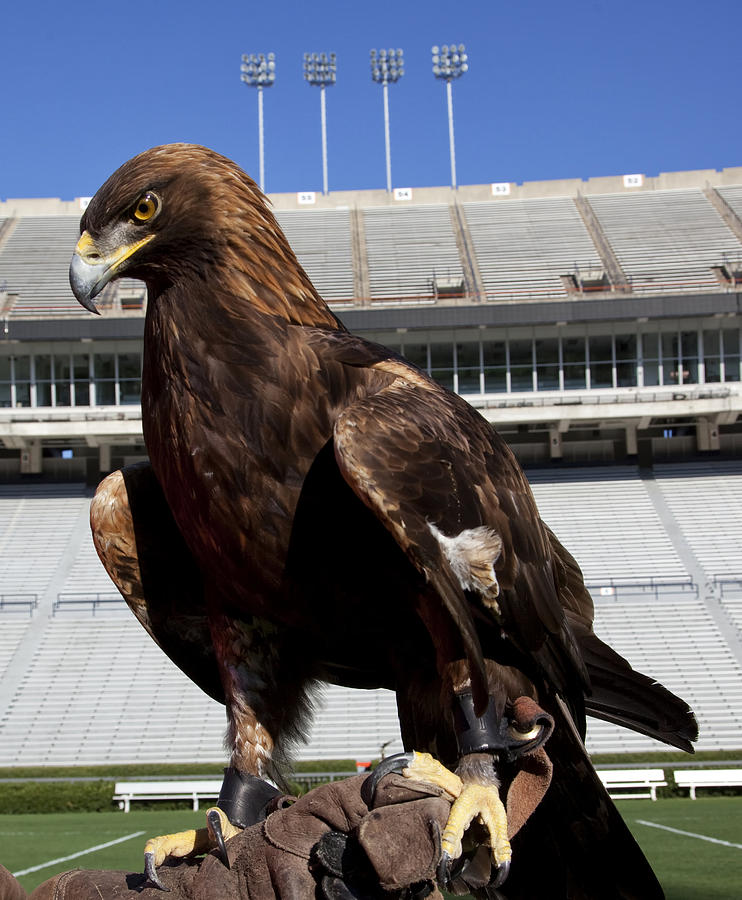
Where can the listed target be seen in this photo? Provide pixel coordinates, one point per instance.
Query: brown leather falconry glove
(327, 844)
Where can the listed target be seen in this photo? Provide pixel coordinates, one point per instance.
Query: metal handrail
(30, 601)
(653, 586)
(88, 598)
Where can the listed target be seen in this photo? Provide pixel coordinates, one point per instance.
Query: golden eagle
(318, 509)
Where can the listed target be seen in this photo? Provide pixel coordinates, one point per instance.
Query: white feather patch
(472, 555)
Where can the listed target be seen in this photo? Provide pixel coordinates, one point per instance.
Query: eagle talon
(397, 763)
(445, 875)
(501, 874)
(443, 872)
(150, 871)
(215, 827)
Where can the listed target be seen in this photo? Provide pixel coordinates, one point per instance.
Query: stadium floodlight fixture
(320, 70)
(259, 71)
(387, 67)
(449, 62)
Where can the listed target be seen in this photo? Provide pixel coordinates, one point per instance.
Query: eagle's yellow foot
(472, 799)
(483, 802)
(193, 842)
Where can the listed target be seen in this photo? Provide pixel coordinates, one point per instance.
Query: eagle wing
(453, 496)
(146, 557)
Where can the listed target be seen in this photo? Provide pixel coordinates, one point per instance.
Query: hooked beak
(91, 270)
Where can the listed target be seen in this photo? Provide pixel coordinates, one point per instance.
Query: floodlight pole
(323, 121)
(450, 62)
(451, 141)
(387, 67)
(261, 139)
(387, 139)
(259, 71)
(320, 71)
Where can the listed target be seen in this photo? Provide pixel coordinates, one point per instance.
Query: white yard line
(701, 837)
(62, 859)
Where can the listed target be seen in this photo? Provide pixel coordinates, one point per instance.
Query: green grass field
(690, 868)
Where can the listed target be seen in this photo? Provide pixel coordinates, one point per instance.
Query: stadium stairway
(697, 572)
(616, 274)
(78, 533)
(6, 229)
(728, 214)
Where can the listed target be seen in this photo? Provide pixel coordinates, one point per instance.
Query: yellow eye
(146, 207)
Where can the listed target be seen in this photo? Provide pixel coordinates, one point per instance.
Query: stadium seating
(34, 264)
(35, 525)
(667, 631)
(524, 246)
(86, 575)
(12, 629)
(674, 639)
(665, 240)
(97, 688)
(611, 502)
(521, 247)
(732, 194)
(321, 241)
(706, 501)
(375, 713)
(100, 690)
(409, 250)
(730, 598)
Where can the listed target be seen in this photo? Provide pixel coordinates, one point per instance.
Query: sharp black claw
(215, 823)
(395, 763)
(449, 871)
(501, 874)
(443, 872)
(151, 872)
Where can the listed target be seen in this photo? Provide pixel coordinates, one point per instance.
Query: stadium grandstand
(595, 323)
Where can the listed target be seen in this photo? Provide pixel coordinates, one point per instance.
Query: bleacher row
(78, 688)
(524, 247)
(663, 240)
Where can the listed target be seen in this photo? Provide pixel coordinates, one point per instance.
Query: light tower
(259, 70)
(450, 61)
(320, 71)
(387, 66)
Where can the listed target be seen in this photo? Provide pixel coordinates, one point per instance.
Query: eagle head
(162, 216)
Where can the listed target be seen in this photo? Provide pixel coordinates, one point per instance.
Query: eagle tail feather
(623, 696)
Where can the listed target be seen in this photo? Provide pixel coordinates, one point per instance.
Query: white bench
(630, 779)
(695, 778)
(126, 791)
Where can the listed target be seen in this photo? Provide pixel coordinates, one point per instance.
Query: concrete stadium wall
(563, 187)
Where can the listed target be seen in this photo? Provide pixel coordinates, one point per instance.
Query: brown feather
(113, 537)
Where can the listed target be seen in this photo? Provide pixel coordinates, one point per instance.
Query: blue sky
(554, 90)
